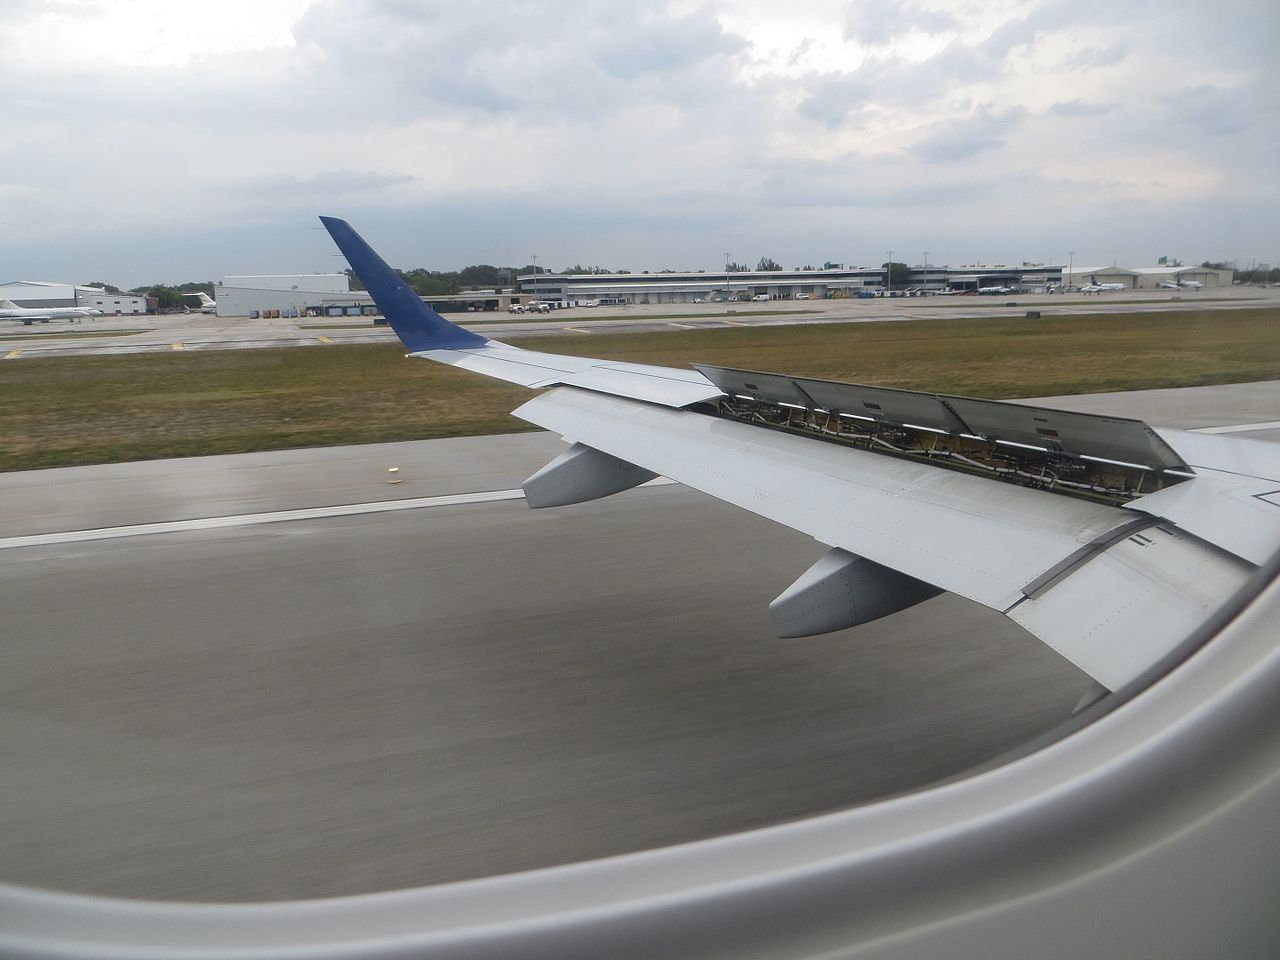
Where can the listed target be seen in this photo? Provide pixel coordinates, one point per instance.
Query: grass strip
(57, 411)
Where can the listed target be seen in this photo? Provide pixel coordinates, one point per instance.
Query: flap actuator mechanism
(582, 473)
(843, 590)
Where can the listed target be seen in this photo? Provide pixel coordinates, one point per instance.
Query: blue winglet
(416, 324)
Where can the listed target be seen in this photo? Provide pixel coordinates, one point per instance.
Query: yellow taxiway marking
(325, 339)
(575, 329)
(13, 354)
(683, 326)
(177, 346)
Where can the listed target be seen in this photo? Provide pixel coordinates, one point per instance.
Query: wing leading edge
(909, 507)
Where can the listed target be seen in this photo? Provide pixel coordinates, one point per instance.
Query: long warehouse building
(634, 288)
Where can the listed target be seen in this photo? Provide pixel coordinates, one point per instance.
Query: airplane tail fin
(416, 324)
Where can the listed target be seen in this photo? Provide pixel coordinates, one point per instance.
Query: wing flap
(1132, 604)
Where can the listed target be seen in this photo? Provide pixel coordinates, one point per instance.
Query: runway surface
(348, 701)
(162, 334)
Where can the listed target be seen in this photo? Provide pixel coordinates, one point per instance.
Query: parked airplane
(203, 302)
(995, 290)
(29, 315)
(1182, 284)
(1108, 540)
(1093, 286)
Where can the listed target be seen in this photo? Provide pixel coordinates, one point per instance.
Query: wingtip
(418, 326)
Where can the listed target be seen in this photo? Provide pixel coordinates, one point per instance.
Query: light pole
(728, 284)
(1071, 268)
(926, 270)
(888, 274)
(535, 277)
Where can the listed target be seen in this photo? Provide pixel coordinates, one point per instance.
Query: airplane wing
(1107, 540)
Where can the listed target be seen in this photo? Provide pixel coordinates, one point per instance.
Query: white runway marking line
(1240, 427)
(276, 516)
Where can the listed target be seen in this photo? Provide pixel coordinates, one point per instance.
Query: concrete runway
(363, 702)
(115, 335)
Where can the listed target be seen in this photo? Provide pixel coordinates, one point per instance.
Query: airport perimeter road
(109, 335)
(351, 701)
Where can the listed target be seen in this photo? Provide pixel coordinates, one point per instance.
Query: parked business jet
(29, 315)
(200, 302)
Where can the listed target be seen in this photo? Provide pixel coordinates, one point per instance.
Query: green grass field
(75, 410)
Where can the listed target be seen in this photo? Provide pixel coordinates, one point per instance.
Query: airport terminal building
(640, 288)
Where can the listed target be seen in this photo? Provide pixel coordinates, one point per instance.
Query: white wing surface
(1107, 540)
(1111, 606)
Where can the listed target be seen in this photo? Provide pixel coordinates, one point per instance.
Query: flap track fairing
(582, 473)
(844, 590)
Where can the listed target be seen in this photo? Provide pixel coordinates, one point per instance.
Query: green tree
(899, 274)
(768, 263)
(109, 287)
(167, 298)
(479, 275)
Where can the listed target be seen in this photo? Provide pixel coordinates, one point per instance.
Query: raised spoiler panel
(985, 541)
(1114, 439)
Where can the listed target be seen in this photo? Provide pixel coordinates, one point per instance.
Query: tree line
(485, 276)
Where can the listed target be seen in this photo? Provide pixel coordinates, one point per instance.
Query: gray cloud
(506, 57)
(879, 21)
(834, 98)
(1093, 58)
(331, 184)
(953, 140)
(1080, 108)
(1211, 109)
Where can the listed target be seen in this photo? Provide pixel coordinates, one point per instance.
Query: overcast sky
(157, 141)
